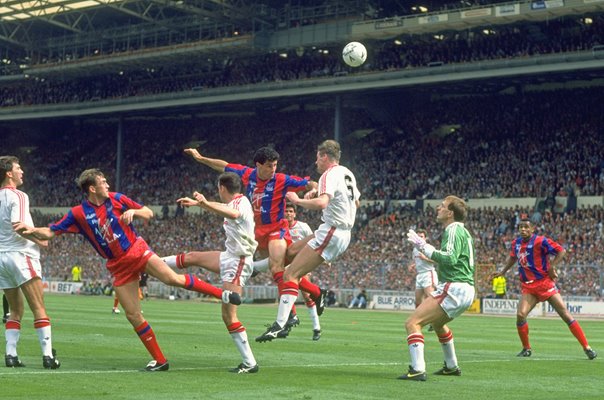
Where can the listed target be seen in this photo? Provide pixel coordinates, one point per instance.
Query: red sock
(575, 328)
(197, 285)
(12, 324)
(236, 327)
(147, 336)
(310, 303)
(180, 261)
(310, 288)
(41, 323)
(115, 302)
(445, 338)
(290, 288)
(523, 332)
(278, 277)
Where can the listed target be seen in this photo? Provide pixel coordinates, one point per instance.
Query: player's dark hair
(459, 208)
(265, 154)
(230, 181)
(6, 165)
(331, 148)
(425, 232)
(290, 205)
(88, 178)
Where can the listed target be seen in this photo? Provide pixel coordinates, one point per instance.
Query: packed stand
(537, 148)
(562, 35)
(379, 256)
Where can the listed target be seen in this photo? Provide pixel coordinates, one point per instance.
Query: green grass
(359, 357)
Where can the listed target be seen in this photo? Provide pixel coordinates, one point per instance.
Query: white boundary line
(366, 364)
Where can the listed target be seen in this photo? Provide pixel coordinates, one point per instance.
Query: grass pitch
(358, 357)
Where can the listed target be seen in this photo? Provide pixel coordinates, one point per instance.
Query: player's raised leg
(159, 269)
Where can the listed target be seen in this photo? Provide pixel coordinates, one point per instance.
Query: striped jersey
(101, 225)
(240, 231)
(267, 196)
(14, 207)
(339, 183)
(299, 230)
(532, 256)
(455, 258)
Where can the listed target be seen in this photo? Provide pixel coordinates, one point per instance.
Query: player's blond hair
(459, 208)
(331, 148)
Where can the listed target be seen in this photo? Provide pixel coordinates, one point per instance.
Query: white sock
(12, 338)
(314, 317)
(242, 344)
(170, 260)
(448, 347)
(44, 337)
(286, 302)
(416, 351)
(261, 265)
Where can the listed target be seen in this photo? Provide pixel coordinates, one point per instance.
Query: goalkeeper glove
(420, 243)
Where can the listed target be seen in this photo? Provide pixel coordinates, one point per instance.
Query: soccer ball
(354, 54)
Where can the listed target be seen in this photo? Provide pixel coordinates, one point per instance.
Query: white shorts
(17, 268)
(235, 269)
(426, 279)
(454, 297)
(330, 242)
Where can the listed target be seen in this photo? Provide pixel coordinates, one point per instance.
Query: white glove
(417, 241)
(420, 243)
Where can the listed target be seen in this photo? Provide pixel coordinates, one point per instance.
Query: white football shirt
(339, 183)
(420, 264)
(299, 231)
(14, 207)
(240, 231)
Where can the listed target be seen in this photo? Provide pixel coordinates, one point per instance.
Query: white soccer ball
(354, 54)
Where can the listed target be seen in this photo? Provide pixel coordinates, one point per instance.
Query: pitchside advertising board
(389, 302)
(495, 306)
(62, 287)
(508, 307)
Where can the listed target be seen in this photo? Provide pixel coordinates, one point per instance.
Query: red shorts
(542, 289)
(129, 266)
(266, 233)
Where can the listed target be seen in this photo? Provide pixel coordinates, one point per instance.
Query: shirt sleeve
(127, 202)
(295, 183)
(16, 208)
(550, 246)
(236, 168)
(67, 224)
(513, 249)
(450, 248)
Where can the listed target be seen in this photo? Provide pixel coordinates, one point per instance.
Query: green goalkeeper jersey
(455, 258)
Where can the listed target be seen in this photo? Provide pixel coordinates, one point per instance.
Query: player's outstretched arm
(217, 208)
(214, 163)
(36, 235)
(317, 203)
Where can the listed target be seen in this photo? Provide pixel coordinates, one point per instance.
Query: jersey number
(349, 186)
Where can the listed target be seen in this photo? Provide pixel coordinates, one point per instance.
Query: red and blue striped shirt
(532, 256)
(267, 196)
(101, 225)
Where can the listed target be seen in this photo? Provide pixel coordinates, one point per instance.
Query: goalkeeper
(452, 296)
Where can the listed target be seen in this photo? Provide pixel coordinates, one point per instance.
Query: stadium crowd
(517, 145)
(379, 254)
(562, 35)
